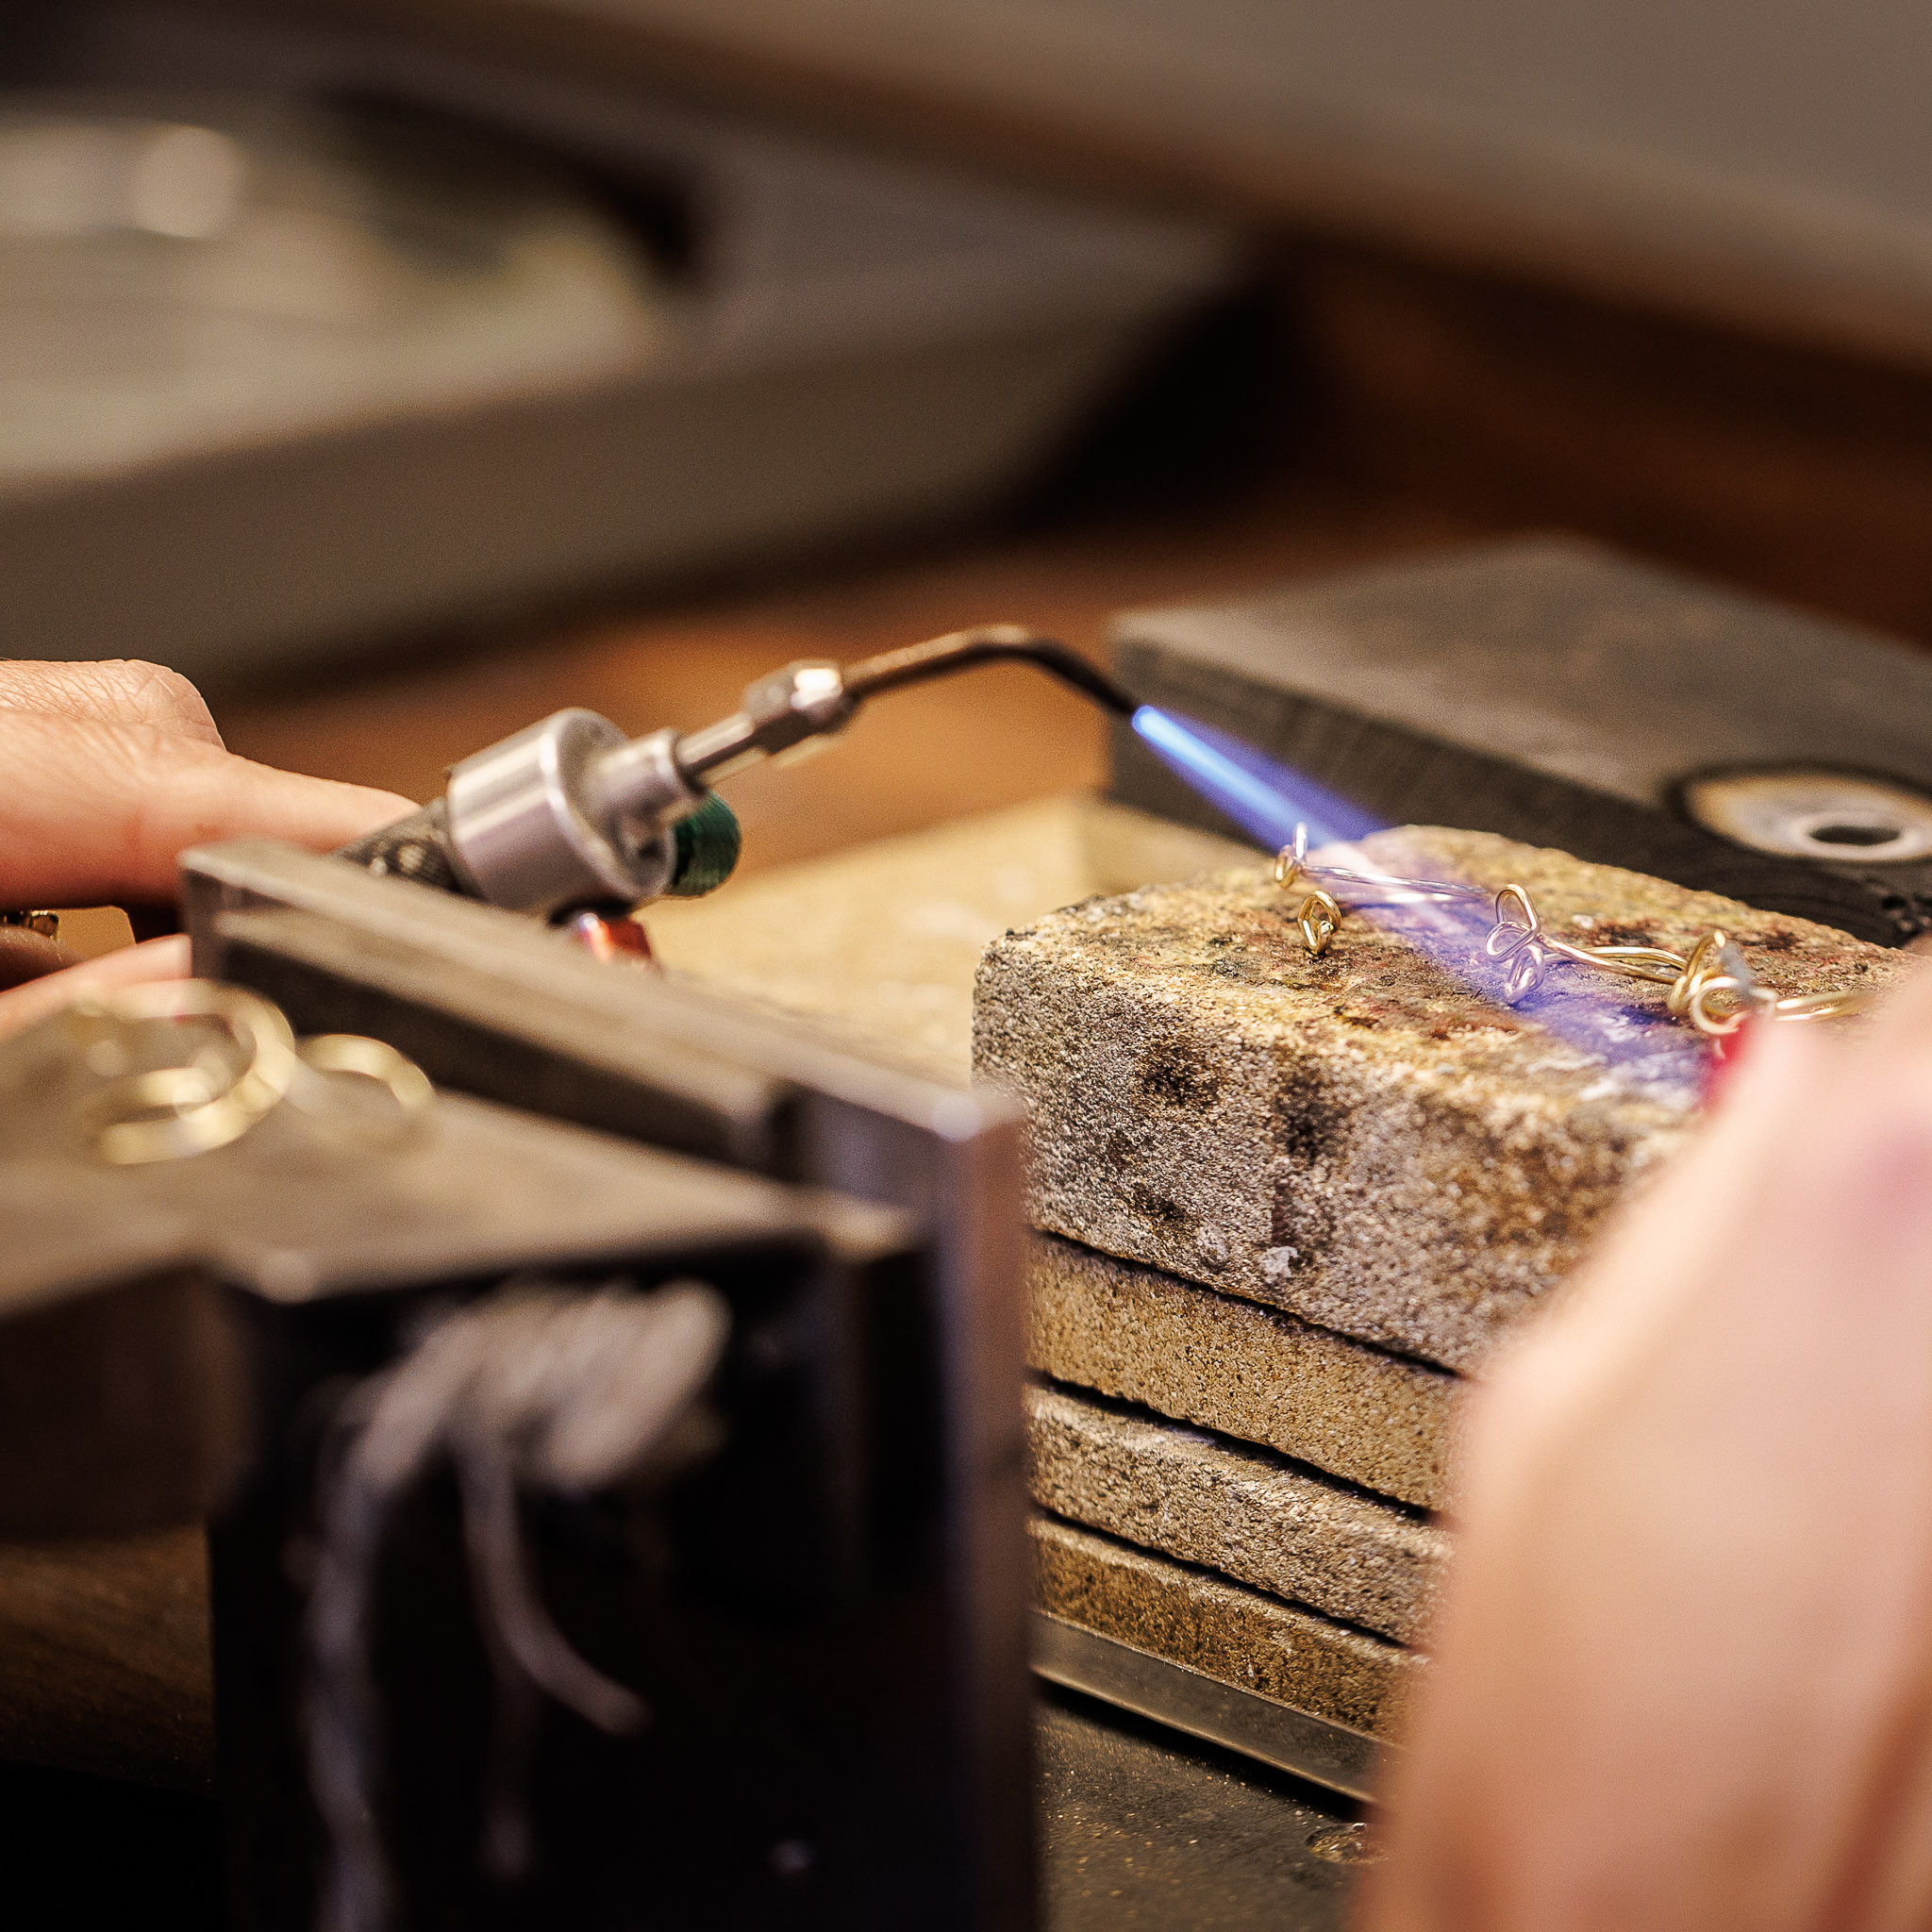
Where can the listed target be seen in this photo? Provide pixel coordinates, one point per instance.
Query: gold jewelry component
(1320, 916)
(171, 1114)
(1713, 970)
(46, 924)
(220, 1088)
(367, 1060)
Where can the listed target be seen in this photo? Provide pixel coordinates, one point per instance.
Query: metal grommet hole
(1841, 817)
(1854, 835)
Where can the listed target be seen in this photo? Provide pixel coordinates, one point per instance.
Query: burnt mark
(1170, 1075)
(1609, 932)
(1310, 1119)
(1158, 1210)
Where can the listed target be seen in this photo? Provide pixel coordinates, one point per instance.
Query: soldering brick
(1185, 1493)
(1252, 1372)
(1221, 1629)
(1370, 1139)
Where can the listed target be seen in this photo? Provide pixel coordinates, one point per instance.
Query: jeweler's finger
(1899, 1023)
(118, 691)
(1667, 1241)
(98, 814)
(26, 1006)
(27, 954)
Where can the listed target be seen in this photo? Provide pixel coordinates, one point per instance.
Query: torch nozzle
(990, 643)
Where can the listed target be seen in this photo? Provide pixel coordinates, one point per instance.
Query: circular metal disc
(1815, 814)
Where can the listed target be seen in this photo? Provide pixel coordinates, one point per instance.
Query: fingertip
(26, 1006)
(1902, 1020)
(1766, 1059)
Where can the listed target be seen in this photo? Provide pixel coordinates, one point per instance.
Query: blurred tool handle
(416, 848)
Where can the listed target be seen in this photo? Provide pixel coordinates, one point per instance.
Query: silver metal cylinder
(641, 782)
(521, 824)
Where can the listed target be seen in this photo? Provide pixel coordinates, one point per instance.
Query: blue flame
(1262, 796)
(1268, 800)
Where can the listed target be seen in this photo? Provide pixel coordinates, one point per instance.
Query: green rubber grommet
(709, 842)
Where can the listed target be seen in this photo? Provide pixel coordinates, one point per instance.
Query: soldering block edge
(1369, 1138)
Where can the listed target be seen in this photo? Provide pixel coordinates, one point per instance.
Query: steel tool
(569, 812)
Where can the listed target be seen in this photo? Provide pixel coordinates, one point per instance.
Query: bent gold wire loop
(1693, 971)
(1319, 918)
(1524, 973)
(1288, 862)
(374, 1060)
(1518, 940)
(1524, 917)
(169, 1113)
(211, 1098)
(1698, 1011)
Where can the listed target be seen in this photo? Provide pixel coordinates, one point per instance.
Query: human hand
(1684, 1676)
(108, 772)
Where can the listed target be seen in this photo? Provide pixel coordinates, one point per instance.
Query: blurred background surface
(404, 371)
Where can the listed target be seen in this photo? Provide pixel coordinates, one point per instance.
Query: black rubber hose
(990, 643)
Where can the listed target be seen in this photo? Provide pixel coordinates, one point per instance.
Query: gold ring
(172, 1112)
(370, 1059)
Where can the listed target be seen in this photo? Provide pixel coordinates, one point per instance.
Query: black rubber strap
(415, 848)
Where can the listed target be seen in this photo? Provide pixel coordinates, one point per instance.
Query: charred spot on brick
(1609, 932)
(1300, 1218)
(1524, 1201)
(1309, 1119)
(1158, 1209)
(1169, 1074)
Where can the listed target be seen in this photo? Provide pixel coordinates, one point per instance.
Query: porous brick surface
(1182, 1493)
(1373, 1138)
(1252, 1372)
(1221, 1629)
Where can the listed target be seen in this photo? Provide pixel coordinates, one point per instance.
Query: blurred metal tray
(827, 344)
(1310, 1747)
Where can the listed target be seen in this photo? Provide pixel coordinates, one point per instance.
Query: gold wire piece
(214, 1096)
(1320, 916)
(171, 1113)
(356, 1055)
(1288, 862)
(46, 924)
(1711, 987)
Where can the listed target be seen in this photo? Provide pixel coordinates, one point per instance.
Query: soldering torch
(570, 813)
